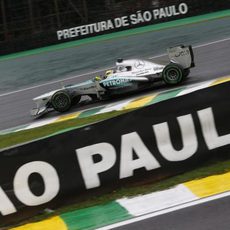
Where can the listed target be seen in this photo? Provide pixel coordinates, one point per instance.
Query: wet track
(207, 216)
(211, 41)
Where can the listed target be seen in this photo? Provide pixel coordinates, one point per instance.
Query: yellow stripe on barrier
(210, 185)
(49, 224)
(139, 102)
(68, 117)
(221, 80)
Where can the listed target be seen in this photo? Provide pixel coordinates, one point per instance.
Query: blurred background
(28, 24)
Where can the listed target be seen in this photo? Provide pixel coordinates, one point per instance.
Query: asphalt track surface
(212, 215)
(36, 73)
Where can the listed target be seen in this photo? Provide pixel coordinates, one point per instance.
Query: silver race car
(129, 75)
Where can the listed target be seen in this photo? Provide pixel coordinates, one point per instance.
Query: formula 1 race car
(129, 75)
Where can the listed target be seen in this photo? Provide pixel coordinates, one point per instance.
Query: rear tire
(173, 74)
(61, 101)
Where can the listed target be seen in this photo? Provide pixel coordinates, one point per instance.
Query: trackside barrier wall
(32, 31)
(161, 139)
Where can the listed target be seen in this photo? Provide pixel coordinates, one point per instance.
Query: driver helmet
(108, 72)
(97, 78)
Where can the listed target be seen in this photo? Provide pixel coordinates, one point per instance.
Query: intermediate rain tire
(61, 101)
(173, 74)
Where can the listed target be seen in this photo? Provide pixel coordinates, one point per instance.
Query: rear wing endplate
(182, 55)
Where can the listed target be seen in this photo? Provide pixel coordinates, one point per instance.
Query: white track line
(211, 43)
(165, 211)
(53, 82)
(104, 69)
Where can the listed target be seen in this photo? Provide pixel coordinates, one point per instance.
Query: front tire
(61, 101)
(173, 74)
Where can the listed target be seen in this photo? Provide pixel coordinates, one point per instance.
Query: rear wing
(182, 55)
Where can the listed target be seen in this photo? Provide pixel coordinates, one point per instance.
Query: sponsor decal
(108, 157)
(116, 82)
(182, 53)
(132, 142)
(138, 18)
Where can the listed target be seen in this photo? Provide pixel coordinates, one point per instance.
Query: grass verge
(208, 169)
(19, 137)
(211, 167)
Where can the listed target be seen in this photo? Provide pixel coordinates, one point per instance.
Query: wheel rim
(173, 75)
(61, 101)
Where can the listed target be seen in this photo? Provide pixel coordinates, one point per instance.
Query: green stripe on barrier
(165, 96)
(95, 217)
(90, 112)
(144, 29)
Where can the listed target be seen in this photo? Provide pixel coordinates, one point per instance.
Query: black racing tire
(61, 101)
(173, 74)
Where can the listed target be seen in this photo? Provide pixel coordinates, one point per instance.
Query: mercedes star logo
(139, 64)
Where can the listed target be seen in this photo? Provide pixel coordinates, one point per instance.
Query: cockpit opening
(122, 68)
